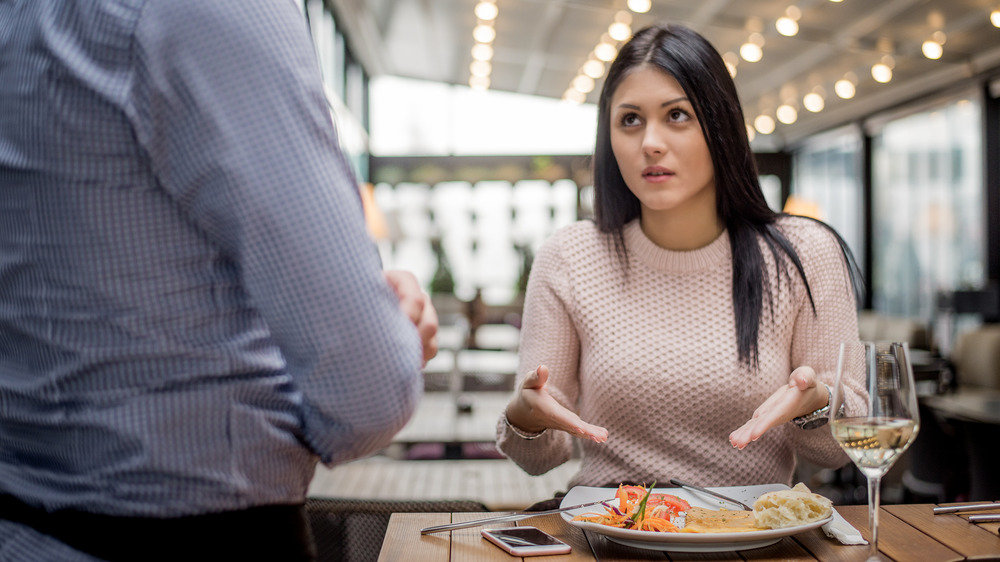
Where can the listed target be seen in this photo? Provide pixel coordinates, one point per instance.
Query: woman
(653, 332)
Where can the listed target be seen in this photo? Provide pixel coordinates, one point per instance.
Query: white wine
(874, 443)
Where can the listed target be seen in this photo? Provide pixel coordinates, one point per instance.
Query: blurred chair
(352, 530)
(977, 357)
(977, 366)
(875, 326)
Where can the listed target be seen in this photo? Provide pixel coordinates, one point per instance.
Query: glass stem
(874, 485)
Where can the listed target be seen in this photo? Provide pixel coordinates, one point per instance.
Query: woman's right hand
(533, 409)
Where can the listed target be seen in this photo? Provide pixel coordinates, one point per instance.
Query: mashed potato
(788, 508)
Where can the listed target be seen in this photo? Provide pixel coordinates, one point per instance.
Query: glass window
(928, 207)
(827, 184)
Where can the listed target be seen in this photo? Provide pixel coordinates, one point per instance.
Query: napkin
(843, 531)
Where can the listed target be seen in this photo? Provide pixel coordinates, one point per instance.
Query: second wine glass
(879, 426)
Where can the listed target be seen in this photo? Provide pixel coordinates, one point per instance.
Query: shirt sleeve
(817, 336)
(548, 337)
(230, 108)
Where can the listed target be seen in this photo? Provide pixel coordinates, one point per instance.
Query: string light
(752, 50)
(593, 68)
(605, 52)
(787, 114)
(788, 24)
(845, 88)
(732, 60)
(486, 11)
(932, 49)
(882, 70)
(640, 6)
(814, 102)
(995, 18)
(482, 52)
(619, 31)
(881, 73)
(764, 124)
(480, 68)
(484, 33)
(583, 83)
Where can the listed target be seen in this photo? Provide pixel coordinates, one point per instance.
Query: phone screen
(525, 541)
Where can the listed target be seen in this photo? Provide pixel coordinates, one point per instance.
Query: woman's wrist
(518, 430)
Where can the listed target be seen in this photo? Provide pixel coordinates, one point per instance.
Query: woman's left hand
(802, 394)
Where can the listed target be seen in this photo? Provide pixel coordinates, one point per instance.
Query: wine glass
(873, 413)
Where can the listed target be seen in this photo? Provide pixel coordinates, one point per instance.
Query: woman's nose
(653, 142)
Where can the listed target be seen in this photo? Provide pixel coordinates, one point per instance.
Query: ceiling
(540, 46)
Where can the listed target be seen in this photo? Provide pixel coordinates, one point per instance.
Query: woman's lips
(657, 174)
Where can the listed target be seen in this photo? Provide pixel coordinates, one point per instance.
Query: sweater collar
(672, 261)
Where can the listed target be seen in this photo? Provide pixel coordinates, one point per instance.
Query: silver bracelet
(520, 432)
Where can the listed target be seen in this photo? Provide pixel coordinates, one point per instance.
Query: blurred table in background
(498, 483)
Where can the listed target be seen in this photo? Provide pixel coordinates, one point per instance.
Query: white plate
(684, 542)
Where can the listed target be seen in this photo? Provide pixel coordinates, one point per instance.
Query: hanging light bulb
(995, 18)
(787, 26)
(732, 61)
(575, 96)
(593, 68)
(932, 49)
(814, 102)
(605, 52)
(486, 11)
(640, 6)
(881, 73)
(787, 114)
(764, 124)
(583, 83)
(845, 88)
(479, 82)
(751, 52)
(484, 33)
(619, 31)
(481, 51)
(480, 68)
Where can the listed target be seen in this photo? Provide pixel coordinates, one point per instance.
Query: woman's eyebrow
(664, 104)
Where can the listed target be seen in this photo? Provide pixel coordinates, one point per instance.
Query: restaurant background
(469, 162)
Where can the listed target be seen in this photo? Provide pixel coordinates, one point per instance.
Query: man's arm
(237, 126)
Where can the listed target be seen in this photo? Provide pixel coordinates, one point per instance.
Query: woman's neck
(681, 231)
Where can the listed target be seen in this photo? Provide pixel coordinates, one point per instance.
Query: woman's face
(658, 144)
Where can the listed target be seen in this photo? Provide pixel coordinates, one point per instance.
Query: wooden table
(906, 533)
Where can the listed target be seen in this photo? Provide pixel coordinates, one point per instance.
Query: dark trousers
(271, 532)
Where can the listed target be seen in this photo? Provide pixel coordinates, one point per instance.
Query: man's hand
(415, 303)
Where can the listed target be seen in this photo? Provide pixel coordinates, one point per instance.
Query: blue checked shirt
(191, 312)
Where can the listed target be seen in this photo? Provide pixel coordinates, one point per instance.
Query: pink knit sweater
(652, 356)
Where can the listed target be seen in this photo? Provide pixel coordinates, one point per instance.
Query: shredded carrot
(658, 511)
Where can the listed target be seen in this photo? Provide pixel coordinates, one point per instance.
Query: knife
(961, 508)
(513, 517)
(692, 487)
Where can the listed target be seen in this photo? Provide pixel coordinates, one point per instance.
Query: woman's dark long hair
(740, 204)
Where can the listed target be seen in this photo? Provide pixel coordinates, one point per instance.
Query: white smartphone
(526, 541)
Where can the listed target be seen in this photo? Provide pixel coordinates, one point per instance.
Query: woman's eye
(678, 115)
(629, 119)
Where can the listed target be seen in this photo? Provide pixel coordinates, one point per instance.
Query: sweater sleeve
(548, 337)
(817, 335)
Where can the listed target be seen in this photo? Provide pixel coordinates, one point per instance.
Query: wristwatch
(817, 418)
